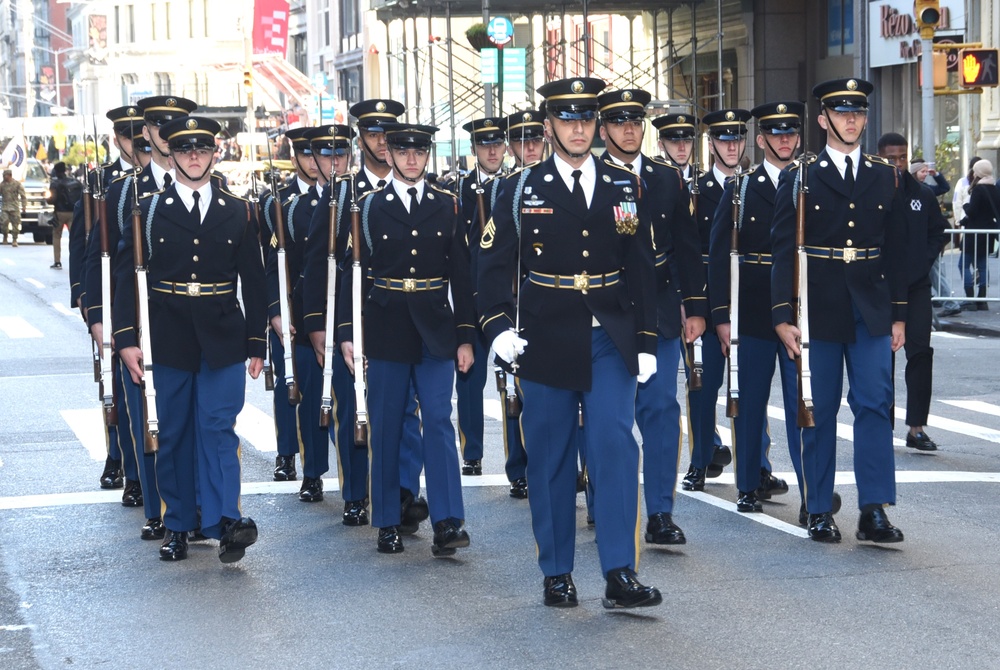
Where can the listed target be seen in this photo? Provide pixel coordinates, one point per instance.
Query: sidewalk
(975, 323)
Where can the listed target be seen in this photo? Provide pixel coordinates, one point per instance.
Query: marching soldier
(778, 124)
(199, 240)
(855, 243)
(286, 426)
(677, 135)
(679, 273)
(525, 137)
(582, 329)
(414, 250)
(727, 138)
(489, 143)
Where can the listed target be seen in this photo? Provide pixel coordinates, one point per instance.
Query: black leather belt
(847, 255)
(409, 285)
(580, 282)
(194, 289)
(756, 259)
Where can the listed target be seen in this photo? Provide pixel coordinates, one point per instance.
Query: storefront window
(840, 28)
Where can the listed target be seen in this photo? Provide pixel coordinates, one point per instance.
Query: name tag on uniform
(536, 210)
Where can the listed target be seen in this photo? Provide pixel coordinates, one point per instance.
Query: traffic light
(928, 15)
(977, 67)
(248, 78)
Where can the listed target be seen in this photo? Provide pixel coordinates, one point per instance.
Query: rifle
(733, 386)
(800, 296)
(360, 385)
(255, 205)
(326, 404)
(107, 375)
(150, 444)
(284, 304)
(694, 348)
(88, 225)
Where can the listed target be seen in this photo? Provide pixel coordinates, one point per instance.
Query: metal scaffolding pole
(451, 87)
(656, 57)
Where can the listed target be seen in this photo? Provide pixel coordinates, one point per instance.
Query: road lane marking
(34, 282)
(975, 406)
(953, 426)
(88, 426)
(951, 336)
(257, 428)
(762, 519)
(63, 309)
(16, 328)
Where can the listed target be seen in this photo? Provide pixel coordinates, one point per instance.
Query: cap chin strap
(193, 180)
(619, 148)
(371, 154)
(412, 180)
(303, 175)
(562, 146)
(774, 152)
(833, 128)
(721, 160)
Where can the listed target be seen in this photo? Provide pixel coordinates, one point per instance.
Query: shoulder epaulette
(443, 191)
(122, 176)
(611, 163)
(659, 160)
(878, 159)
(233, 196)
(517, 171)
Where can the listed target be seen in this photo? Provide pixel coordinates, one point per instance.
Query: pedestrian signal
(977, 68)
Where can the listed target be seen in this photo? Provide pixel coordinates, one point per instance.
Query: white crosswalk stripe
(16, 328)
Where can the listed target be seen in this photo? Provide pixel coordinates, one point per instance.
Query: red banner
(270, 27)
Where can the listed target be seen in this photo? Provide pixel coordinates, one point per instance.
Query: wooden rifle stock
(106, 373)
(360, 385)
(284, 302)
(151, 437)
(326, 404)
(800, 297)
(255, 205)
(694, 348)
(732, 359)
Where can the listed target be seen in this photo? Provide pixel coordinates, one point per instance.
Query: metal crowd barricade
(967, 264)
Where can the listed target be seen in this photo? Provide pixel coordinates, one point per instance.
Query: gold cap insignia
(131, 111)
(332, 130)
(681, 119)
(730, 116)
(380, 107)
(488, 123)
(626, 96)
(782, 108)
(171, 102)
(577, 86)
(526, 117)
(191, 124)
(852, 85)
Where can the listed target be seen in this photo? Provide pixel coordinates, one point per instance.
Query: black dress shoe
(874, 526)
(448, 536)
(356, 512)
(175, 546)
(804, 515)
(284, 469)
(312, 489)
(920, 441)
(747, 502)
(237, 535)
(560, 591)
(153, 530)
(694, 480)
(412, 512)
(389, 541)
(132, 495)
(473, 467)
(822, 528)
(519, 488)
(770, 485)
(111, 478)
(661, 529)
(721, 457)
(624, 590)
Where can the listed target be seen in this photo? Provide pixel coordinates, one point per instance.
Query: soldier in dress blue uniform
(855, 240)
(677, 135)
(779, 124)
(727, 131)
(414, 249)
(489, 143)
(925, 240)
(586, 311)
(679, 273)
(198, 241)
(286, 426)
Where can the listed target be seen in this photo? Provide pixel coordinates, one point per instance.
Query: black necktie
(630, 167)
(167, 180)
(578, 193)
(381, 183)
(196, 210)
(849, 174)
(412, 192)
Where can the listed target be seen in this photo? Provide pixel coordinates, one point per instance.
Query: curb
(968, 328)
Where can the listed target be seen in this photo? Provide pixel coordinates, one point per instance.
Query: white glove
(647, 367)
(508, 345)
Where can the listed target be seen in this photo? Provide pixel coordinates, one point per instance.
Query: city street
(78, 588)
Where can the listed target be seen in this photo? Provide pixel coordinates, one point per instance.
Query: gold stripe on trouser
(524, 443)
(298, 429)
(805, 480)
(638, 512)
(239, 459)
(687, 404)
(736, 462)
(336, 431)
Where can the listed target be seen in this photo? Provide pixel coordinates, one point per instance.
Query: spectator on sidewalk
(981, 212)
(64, 193)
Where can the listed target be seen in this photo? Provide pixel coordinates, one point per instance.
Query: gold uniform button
(586, 253)
(194, 276)
(196, 241)
(413, 253)
(195, 259)
(850, 242)
(414, 233)
(412, 270)
(586, 233)
(851, 205)
(850, 224)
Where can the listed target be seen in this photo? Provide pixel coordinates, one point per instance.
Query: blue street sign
(500, 30)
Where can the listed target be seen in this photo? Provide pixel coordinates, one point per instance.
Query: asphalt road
(78, 588)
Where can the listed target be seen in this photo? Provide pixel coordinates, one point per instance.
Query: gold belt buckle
(409, 285)
(194, 289)
(581, 282)
(850, 254)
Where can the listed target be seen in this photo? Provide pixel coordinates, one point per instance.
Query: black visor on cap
(572, 112)
(192, 142)
(624, 115)
(728, 134)
(782, 128)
